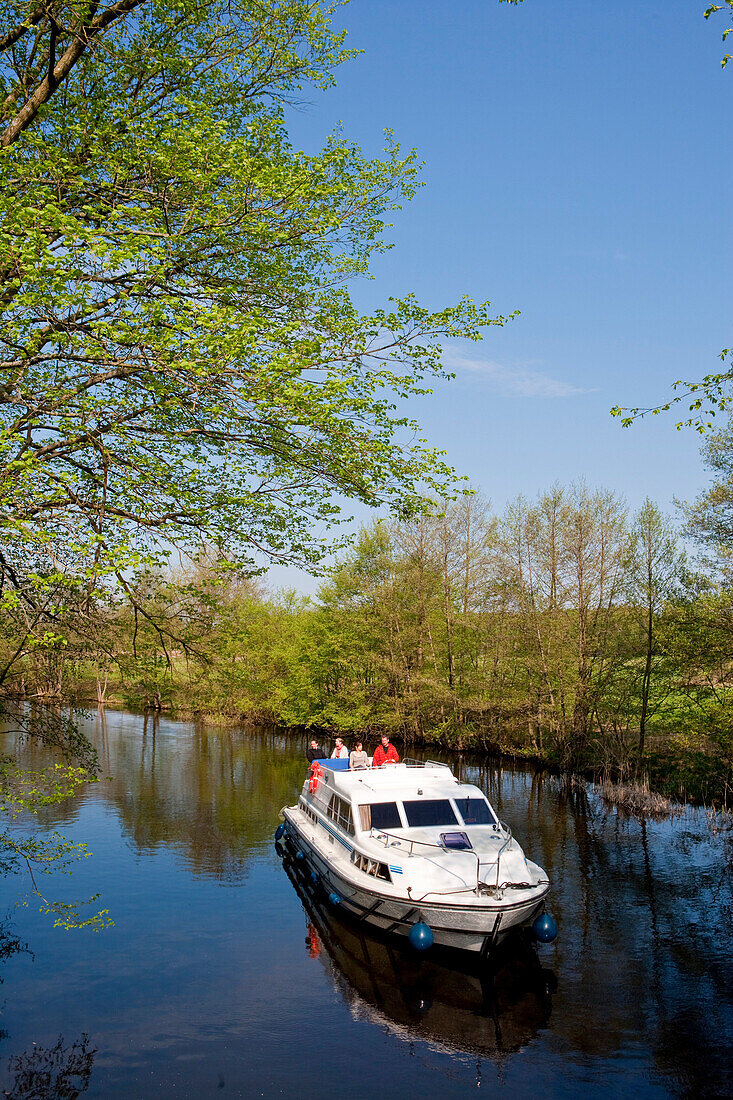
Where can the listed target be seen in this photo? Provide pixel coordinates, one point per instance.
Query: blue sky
(577, 161)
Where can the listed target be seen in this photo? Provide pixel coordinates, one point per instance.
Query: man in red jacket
(385, 753)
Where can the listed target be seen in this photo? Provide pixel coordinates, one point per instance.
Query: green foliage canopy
(179, 356)
(710, 517)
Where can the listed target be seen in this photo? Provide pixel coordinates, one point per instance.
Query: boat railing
(386, 837)
(412, 763)
(503, 825)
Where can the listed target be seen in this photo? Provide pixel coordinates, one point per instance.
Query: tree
(44, 42)
(652, 569)
(179, 351)
(562, 562)
(180, 360)
(710, 517)
(25, 791)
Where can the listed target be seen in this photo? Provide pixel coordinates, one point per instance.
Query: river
(219, 979)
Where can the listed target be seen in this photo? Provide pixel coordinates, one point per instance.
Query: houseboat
(408, 849)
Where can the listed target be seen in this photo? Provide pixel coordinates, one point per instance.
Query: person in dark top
(314, 752)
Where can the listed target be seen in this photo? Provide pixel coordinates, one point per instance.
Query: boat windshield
(380, 815)
(475, 811)
(430, 811)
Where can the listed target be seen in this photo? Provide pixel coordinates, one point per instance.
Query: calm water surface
(220, 978)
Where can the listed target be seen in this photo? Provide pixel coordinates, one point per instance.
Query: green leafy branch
(729, 30)
(51, 856)
(710, 394)
(25, 791)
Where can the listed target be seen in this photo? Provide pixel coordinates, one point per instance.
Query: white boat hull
(473, 925)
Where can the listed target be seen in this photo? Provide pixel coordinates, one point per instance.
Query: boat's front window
(380, 815)
(430, 811)
(475, 811)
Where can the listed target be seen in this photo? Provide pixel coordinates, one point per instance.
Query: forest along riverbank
(636, 994)
(565, 630)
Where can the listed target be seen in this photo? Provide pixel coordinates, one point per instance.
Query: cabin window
(308, 811)
(380, 815)
(371, 866)
(340, 812)
(430, 811)
(475, 811)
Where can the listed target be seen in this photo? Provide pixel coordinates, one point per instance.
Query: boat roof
(393, 781)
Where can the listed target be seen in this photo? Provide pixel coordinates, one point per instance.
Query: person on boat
(340, 751)
(358, 759)
(385, 753)
(314, 751)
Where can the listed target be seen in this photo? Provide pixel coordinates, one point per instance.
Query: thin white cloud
(511, 381)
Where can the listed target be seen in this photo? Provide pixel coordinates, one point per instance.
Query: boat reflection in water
(452, 1001)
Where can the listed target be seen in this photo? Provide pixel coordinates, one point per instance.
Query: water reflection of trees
(51, 1073)
(210, 794)
(652, 903)
(10, 944)
(213, 795)
(641, 906)
(645, 909)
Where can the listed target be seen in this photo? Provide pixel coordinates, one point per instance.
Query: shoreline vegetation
(630, 797)
(566, 633)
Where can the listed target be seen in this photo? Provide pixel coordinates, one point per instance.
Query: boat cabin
(423, 805)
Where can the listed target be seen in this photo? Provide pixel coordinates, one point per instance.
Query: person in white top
(340, 751)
